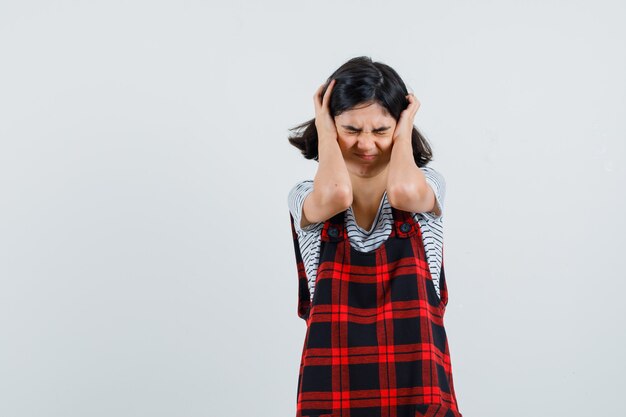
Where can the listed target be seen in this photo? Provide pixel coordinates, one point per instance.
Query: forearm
(332, 179)
(404, 176)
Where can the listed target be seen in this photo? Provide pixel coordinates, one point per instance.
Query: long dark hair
(359, 81)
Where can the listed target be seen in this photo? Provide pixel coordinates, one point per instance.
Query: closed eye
(349, 130)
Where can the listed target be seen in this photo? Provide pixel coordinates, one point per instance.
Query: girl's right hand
(324, 122)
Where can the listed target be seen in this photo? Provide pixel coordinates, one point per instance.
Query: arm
(332, 188)
(407, 188)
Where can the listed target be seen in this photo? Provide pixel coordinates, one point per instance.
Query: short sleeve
(437, 182)
(295, 199)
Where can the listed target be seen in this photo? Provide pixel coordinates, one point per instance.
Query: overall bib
(375, 344)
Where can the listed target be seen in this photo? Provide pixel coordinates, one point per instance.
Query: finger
(414, 104)
(417, 105)
(411, 100)
(328, 93)
(411, 105)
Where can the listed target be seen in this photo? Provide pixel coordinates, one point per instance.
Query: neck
(367, 192)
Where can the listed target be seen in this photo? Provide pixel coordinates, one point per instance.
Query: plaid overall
(375, 344)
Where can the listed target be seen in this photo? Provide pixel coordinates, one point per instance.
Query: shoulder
(300, 187)
(434, 176)
(437, 182)
(297, 194)
(295, 200)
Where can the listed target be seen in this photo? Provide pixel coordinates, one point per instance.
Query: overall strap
(443, 287)
(404, 225)
(304, 296)
(334, 229)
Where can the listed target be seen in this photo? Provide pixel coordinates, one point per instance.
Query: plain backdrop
(146, 260)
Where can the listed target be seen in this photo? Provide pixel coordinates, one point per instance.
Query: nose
(365, 139)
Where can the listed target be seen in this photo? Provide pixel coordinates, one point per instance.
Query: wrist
(402, 138)
(326, 137)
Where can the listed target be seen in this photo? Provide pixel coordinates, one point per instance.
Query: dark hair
(360, 81)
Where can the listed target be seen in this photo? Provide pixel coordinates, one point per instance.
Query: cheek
(387, 144)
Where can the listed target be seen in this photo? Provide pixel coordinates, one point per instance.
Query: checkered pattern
(375, 344)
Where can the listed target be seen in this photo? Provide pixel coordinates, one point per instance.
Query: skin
(344, 179)
(407, 188)
(357, 134)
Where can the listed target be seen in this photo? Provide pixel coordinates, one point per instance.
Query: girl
(368, 240)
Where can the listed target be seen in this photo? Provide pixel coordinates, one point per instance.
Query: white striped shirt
(309, 237)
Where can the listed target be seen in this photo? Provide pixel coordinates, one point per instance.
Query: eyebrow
(378, 129)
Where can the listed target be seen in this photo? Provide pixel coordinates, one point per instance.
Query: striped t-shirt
(309, 237)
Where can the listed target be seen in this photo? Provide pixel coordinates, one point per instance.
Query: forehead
(366, 114)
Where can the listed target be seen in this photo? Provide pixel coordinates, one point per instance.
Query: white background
(146, 260)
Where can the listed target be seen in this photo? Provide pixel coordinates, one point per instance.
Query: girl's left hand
(404, 127)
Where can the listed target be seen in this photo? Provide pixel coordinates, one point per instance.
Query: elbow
(344, 196)
(338, 195)
(399, 195)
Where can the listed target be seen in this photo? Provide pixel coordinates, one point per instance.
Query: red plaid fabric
(375, 344)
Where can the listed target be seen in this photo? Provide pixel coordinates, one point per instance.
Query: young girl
(368, 240)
